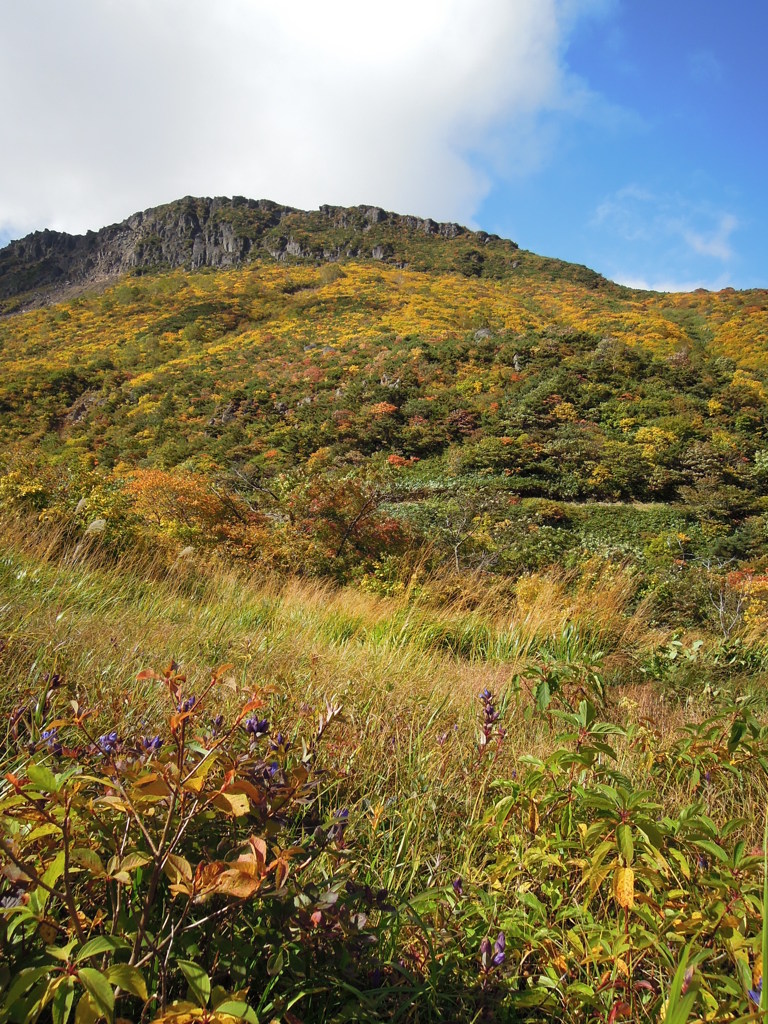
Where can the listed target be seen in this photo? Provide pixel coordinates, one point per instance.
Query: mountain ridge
(222, 232)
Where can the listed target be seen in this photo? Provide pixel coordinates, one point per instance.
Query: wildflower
(280, 743)
(51, 738)
(256, 726)
(485, 954)
(489, 716)
(458, 887)
(187, 705)
(107, 742)
(12, 900)
(756, 993)
(217, 723)
(151, 744)
(492, 956)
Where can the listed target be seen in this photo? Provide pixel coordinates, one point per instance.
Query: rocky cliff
(225, 232)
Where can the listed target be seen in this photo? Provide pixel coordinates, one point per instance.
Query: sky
(627, 135)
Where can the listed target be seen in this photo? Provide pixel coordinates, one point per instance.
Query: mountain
(326, 391)
(194, 233)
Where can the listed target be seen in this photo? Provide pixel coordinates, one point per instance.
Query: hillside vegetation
(383, 615)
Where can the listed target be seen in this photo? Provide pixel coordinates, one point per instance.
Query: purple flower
(256, 726)
(458, 887)
(107, 742)
(280, 743)
(492, 956)
(217, 723)
(490, 714)
(151, 744)
(188, 704)
(51, 739)
(755, 994)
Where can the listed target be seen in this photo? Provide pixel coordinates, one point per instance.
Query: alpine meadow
(383, 625)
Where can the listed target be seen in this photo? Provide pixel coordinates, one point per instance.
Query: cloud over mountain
(398, 104)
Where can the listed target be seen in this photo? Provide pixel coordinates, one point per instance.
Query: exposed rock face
(192, 233)
(197, 233)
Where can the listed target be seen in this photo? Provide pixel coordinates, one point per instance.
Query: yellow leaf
(178, 868)
(236, 804)
(237, 884)
(624, 887)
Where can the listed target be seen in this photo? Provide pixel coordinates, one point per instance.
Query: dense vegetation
(485, 741)
(359, 421)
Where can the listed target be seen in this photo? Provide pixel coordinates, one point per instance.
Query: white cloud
(683, 227)
(122, 105)
(670, 285)
(715, 242)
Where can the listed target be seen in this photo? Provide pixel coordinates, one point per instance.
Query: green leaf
(128, 978)
(99, 989)
(625, 843)
(738, 729)
(713, 849)
(62, 953)
(88, 859)
(51, 875)
(101, 944)
(651, 833)
(198, 981)
(63, 1000)
(238, 1009)
(543, 695)
(679, 1005)
(21, 984)
(43, 778)
(275, 963)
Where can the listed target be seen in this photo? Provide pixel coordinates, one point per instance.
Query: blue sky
(666, 183)
(628, 135)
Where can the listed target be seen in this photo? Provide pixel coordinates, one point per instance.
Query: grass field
(500, 759)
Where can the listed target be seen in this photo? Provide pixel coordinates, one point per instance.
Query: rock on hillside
(224, 232)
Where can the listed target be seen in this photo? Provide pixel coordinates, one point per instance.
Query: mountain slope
(319, 410)
(194, 233)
